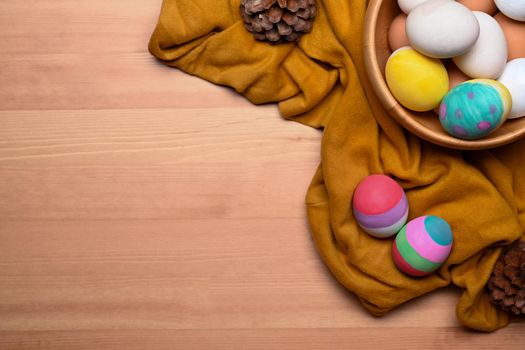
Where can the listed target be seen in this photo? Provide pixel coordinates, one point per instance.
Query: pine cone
(278, 21)
(507, 284)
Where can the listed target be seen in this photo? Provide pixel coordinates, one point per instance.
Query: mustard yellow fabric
(321, 82)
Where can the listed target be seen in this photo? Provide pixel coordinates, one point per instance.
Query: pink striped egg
(380, 206)
(422, 245)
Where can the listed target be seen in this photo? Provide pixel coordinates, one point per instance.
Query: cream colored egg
(514, 9)
(442, 28)
(487, 58)
(513, 78)
(408, 5)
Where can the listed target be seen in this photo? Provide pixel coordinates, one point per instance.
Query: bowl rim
(402, 115)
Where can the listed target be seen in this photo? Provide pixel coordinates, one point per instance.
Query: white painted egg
(513, 78)
(408, 5)
(487, 58)
(442, 28)
(514, 9)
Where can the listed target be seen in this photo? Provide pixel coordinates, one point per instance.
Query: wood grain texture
(299, 338)
(141, 208)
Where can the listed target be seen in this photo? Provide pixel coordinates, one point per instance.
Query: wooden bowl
(426, 125)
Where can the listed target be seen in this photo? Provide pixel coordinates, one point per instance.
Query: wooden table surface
(141, 208)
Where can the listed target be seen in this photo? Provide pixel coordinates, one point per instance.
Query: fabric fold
(322, 82)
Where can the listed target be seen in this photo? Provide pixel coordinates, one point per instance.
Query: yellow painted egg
(416, 81)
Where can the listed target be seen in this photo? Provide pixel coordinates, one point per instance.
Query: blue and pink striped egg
(380, 206)
(422, 245)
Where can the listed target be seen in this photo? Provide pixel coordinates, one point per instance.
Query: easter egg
(515, 34)
(380, 206)
(397, 37)
(475, 108)
(514, 9)
(487, 58)
(442, 28)
(487, 6)
(408, 5)
(513, 78)
(422, 245)
(416, 81)
(455, 77)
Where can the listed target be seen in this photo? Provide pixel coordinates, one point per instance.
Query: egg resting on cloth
(321, 82)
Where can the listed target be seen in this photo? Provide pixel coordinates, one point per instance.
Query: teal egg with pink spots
(475, 108)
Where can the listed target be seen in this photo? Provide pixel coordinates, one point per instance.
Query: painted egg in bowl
(426, 125)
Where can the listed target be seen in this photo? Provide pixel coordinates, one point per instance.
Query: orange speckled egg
(515, 35)
(487, 6)
(397, 36)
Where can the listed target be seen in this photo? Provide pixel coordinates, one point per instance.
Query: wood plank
(76, 27)
(317, 338)
(70, 54)
(151, 164)
(92, 81)
(204, 135)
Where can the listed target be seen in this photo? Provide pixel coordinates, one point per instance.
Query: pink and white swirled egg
(380, 206)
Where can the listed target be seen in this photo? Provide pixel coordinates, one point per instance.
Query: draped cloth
(321, 82)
